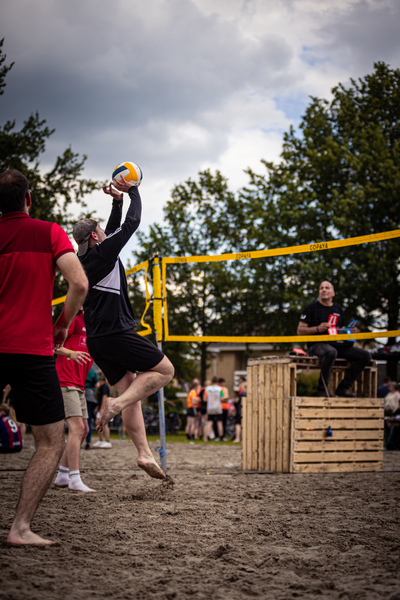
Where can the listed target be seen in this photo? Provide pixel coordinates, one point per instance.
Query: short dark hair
(13, 189)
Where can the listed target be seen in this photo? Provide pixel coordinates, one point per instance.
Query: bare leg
(49, 441)
(220, 428)
(133, 420)
(77, 431)
(142, 386)
(70, 458)
(107, 433)
(237, 433)
(207, 430)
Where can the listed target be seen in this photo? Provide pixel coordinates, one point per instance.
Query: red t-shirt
(29, 249)
(70, 373)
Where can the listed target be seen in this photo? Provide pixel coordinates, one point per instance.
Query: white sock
(77, 484)
(62, 479)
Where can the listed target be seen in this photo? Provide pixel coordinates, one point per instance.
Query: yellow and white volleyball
(129, 171)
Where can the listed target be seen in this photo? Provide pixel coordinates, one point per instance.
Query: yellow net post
(157, 318)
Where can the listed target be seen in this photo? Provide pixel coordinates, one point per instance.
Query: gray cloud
(170, 84)
(366, 33)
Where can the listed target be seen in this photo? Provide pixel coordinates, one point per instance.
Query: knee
(168, 370)
(330, 354)
(365, 357)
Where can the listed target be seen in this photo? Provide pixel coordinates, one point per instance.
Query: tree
(199, 296)
(54, 192)
(339, 177)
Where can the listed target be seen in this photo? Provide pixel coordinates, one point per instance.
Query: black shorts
(191, 412)
(214, 418)
(35, 385)
(118, 353)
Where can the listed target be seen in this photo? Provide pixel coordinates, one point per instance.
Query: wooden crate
(283, 433)
(356, 443)
(266, 415)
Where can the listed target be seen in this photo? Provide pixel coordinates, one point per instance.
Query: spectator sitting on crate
(317, 319)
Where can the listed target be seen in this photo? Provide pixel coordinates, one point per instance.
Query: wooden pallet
(357, 440)
(266, 415)
(283, 433)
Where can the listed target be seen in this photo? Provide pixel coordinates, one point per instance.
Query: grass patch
(180, 438)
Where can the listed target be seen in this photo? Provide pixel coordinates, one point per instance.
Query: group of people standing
(30, 252)
(208, 409)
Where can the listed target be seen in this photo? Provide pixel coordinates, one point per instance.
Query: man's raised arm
(73, 272)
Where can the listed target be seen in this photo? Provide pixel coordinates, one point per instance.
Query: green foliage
(307, 384)
(199, 298)
(53, 193)
(338, 177)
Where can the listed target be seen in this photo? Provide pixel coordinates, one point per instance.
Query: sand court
(217, 533)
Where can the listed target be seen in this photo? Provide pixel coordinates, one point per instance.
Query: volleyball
(129, 171)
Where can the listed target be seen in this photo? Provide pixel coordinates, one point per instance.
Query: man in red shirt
(30, 251)
(73, 365)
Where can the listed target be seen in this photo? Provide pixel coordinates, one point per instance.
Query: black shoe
(322, 394)
(344, 393)
(87, 447)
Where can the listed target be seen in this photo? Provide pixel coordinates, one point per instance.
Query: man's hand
(80, 357)
(354, 330)
(111, 192)
(123, 186)
(324, 326)
(59, 336)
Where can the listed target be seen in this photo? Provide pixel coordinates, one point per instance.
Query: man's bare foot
(111, 409)
(28, 538)
(151, 467)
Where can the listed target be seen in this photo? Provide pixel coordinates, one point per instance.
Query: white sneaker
(97, 444)
(105, 445)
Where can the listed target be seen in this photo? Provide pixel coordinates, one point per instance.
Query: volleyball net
(258, 296)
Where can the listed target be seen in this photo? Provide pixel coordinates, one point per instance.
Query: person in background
(214, 395)
(73, 364)
(383, 390)
(8, 398)
(392, 399)
(224, 406)
(91, 384)
(242, 393)
(10, 433)
(102, 394)
(201, 408)
(392, 409)
(191, 411)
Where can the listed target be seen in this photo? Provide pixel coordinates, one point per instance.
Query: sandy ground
(218, 533)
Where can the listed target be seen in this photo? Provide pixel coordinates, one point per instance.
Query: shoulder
(310, 308)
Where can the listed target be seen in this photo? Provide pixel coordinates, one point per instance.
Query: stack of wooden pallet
(284, 433)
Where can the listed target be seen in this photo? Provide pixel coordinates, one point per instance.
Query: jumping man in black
(109, 320)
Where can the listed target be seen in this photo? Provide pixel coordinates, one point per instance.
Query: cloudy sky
(182, 85)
